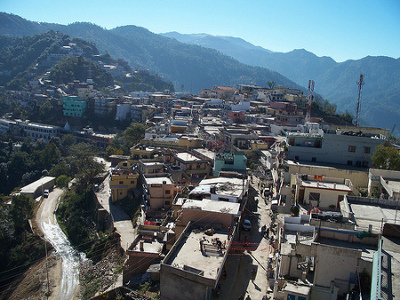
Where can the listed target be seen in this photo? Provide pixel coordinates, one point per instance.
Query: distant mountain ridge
(335, 81)
(202, 61)
(190, 66)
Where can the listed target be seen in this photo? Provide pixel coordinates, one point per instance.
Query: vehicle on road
(246, 225)
(46, 193)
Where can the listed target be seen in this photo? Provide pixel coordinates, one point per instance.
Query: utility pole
(360, 84)
(47, 272)
(309, 101)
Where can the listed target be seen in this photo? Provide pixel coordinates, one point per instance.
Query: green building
(73, 107)
(230, 162)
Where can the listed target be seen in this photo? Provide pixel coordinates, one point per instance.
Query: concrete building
(151, 167)
(357, 176)
(159, 191)
(122, 180)
(321, 192)
(221, 189)
(73, 106)
(35, 189)
(145, 250)
(123, 111)
(384, 184)
(38, 131)
(330, 262)
(193, 266)
(337, 147)
(191, 167)
(211, 213)
(236, 161)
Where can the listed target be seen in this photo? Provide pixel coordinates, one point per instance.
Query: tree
(62, 181)
(133, 135)
(50, 155)
(68, 140)
(386, 157)
(21, 210)
(84, 165)
(271, 84)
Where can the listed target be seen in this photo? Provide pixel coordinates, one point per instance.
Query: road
(122, 222)
(238, 283)
(65, 286)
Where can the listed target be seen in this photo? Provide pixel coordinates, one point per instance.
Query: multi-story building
(159, 191)
(39, 131)
(236, 161)
(335, 147)
(122, 180)
(73, 106)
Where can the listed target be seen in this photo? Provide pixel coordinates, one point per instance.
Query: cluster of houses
(193, 171)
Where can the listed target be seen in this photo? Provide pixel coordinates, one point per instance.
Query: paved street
(238, 283)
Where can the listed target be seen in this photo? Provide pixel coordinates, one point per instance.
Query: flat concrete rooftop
(374, 215)
(326, 185)
(158, 180)
(212, 206)
(187, 157)
(149, 245)
(188, 253)
(367, 250)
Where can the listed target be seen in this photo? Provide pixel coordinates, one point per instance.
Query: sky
(341, 29)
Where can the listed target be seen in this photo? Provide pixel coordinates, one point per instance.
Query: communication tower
(360, 84)
(309, 101)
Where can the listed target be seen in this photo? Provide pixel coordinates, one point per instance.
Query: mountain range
(193, 62)
(337, 82)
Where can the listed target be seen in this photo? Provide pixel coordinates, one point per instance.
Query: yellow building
(143, 152)
(121, 182)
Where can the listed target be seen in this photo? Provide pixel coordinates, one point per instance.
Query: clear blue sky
(341, 29)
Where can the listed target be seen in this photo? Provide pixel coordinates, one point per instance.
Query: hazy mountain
(201, 61)
(335, 81)
(192, 66)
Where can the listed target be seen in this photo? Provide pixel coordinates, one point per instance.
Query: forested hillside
(192, 66)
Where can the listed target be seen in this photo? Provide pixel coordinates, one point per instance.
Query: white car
(246, 225)
(46, 193)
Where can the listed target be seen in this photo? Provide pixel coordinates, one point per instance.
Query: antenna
(311, 84)
(360, 84)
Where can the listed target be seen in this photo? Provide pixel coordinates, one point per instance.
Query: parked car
(246, 225)
(46, 193)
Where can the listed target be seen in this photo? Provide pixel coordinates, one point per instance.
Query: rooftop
(374, 215)
(32, 187)
(158, 180)
(187, 157)
(367, 250)
(212, 206)
(188, 255)
(326, 185)
(149, 244)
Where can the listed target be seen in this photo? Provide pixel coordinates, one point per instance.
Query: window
(167, 203)
(121, 182)
(352, 148)
(314, 196)
(133, 182)
(167, 192)
(350, 162)
(367, 150)
(313, 159)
